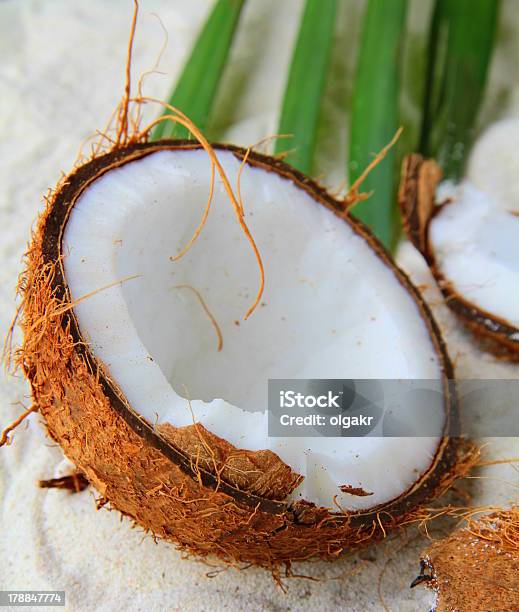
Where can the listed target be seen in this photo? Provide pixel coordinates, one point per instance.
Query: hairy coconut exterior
(185, 484)
(420, 178)
(476, 568)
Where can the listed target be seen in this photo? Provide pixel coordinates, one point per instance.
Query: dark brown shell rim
(63, 202)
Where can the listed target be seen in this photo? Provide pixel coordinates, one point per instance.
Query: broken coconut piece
(167, 422)
(75, 483)
(471, 244)
(475, 568)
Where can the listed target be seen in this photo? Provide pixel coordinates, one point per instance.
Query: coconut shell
(419, 180)
(187, 485)
(476, 568)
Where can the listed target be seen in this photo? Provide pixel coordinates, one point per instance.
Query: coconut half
(476, 567)
(154, 385)
(470, 242)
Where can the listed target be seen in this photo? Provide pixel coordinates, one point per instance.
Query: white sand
(60, 76)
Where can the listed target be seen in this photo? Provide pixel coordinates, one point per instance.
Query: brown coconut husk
(261, 473)
(187, 485)
(420, 177)
(476, 568)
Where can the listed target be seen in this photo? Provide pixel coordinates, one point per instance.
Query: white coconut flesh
(331, 309)
(475, 238)
(476, 247)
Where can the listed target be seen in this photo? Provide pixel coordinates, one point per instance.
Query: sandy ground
(60, 77)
